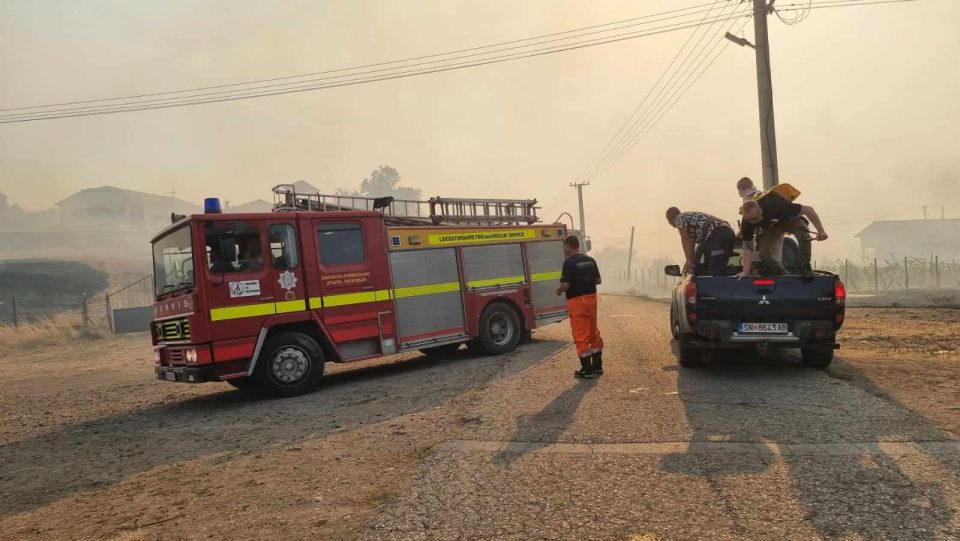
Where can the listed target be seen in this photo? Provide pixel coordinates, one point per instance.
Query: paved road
(756, 448)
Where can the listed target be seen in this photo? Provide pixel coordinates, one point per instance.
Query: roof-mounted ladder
(436, 210)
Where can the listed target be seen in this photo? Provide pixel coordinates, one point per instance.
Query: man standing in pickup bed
(715, 235)
(579, 280)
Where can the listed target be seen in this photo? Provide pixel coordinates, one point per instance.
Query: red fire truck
(265, 299)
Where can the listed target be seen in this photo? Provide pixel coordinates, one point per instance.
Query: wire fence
(908, 274)
(19, 313)
(88, 311)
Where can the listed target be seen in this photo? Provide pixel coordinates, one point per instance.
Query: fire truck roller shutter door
(427, 294)
(546, 261)
(494, 265)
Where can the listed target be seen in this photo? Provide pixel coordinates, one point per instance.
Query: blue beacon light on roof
(211, 205)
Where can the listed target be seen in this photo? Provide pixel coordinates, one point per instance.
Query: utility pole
(768, 132)
(583, 225)
(630, 257)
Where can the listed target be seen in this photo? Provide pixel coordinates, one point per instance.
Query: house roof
(925, 230)
(143, 197)
(303, 186)
(257, 205)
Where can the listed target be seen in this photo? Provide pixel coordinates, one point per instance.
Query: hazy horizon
(867, 111)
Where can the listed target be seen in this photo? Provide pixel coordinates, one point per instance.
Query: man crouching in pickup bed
(774, 216)
(579, 280)
(715, 235)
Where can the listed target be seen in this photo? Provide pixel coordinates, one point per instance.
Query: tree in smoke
(383, 181)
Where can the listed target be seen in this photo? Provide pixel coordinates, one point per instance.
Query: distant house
(306, 188)
(257, 205)
(912, 238)
(110, 209)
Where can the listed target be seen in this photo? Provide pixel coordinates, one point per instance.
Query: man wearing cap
(579, 280)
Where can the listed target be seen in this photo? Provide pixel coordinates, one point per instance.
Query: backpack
(785, 190)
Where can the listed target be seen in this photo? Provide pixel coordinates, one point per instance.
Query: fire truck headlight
(191, 355)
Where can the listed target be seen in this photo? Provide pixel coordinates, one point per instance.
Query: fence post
(83, 308)
(15, 321)
(846, 273)
(876, 280)
(109, 314)
(906, 274)
(937, 260)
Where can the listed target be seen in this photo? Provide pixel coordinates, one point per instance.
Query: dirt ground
(92, 447)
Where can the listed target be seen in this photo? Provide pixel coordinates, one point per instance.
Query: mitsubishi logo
(764, 301)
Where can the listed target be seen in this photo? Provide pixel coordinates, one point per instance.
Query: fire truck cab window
(233, 247)
(340, 244)
(283, 246)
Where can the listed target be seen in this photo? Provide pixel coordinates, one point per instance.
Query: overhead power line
(352, 76)
(662, 100)
(638, 112)
(621, 144)
(825, 4)
(378, 64)
(616, 137)
(664, 96)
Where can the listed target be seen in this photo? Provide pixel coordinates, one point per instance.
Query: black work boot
(598, 363)
(808, 274)
(586, 370)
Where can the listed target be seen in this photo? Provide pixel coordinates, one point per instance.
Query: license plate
(763, 328)
(171, 376)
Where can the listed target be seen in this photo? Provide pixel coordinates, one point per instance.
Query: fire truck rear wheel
(291, 363)
(499, 328)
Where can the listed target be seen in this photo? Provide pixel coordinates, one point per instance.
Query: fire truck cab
(265, 300)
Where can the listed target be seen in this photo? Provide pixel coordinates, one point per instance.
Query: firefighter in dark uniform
(579, 280)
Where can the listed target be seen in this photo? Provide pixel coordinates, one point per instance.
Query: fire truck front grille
(172, 329)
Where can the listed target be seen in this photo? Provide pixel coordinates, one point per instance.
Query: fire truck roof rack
(434, 211)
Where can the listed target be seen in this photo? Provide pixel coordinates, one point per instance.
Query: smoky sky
(866, 103)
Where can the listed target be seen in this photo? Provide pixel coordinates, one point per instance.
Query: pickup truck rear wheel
(689, 356)
(674, 322)
(817, 357)
(290, 364)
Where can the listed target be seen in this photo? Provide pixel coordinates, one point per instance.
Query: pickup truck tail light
(690, 297)
(840, 295)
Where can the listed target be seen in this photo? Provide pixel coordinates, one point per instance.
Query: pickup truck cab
(761, 313)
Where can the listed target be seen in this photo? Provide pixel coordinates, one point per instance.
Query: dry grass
(53, 329)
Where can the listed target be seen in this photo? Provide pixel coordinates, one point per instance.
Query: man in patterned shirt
(715, 235)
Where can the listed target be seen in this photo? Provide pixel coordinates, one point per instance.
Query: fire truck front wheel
(290, 363)
(499, 328)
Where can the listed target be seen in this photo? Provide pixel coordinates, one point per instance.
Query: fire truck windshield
(173, 261)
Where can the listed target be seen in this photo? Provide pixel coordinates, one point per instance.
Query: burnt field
(45, 286)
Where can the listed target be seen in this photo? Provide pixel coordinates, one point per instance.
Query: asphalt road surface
(509, 447)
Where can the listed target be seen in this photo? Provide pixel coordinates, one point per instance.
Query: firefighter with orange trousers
(579, 280)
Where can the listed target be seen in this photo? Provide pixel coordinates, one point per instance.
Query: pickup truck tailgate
(774, 299)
